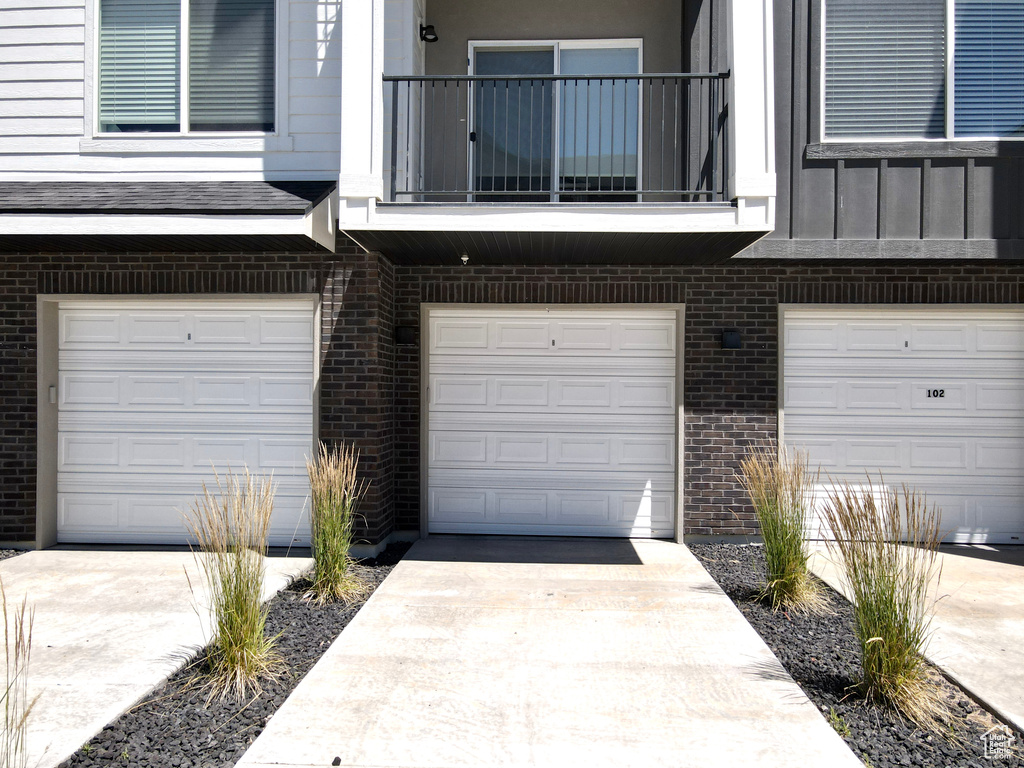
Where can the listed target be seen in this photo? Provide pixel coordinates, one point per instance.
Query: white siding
(42, 73)
(44, 110)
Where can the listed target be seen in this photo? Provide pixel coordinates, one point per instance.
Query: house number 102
(936, 393)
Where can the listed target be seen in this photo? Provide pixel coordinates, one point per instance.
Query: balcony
(563, 150)
(557, 139)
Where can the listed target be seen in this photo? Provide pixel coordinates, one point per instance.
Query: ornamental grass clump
(335, 493)
(232, 528)
(887, 582)
(16, 704)
(779, 484)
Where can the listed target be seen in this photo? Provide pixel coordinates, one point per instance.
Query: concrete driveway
(524, 652)
(978, 629)
(109, 627)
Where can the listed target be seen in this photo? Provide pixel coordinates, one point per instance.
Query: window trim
(900, 146)
(96, 141)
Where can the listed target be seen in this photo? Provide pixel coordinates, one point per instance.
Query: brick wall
(730, 396)
(370, 388)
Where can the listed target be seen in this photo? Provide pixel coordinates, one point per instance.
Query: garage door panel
(616, 512)
(540, 366)
(454, 333)
(940, 336)
(933, 398)
(558, 394)
(155, 328)
(129, 391)
(620, 423)
(548, 450)
(153, 397)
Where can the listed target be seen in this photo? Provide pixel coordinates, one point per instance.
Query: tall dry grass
(335, 492)
(888, 585)
(779, 483)
(232, 527)
(16, 704)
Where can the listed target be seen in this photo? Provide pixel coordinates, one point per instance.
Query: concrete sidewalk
(109, 627)
(501, 652)
(978, 629)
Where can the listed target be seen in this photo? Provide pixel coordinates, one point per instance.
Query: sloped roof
(228, 198)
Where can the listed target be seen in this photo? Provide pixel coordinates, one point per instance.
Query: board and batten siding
(956, 198)
(44, 109)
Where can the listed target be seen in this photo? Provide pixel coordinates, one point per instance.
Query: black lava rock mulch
(821, 653)
(174, 726)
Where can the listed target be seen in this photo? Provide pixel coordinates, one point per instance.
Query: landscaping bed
(175, 726)
(821, 653)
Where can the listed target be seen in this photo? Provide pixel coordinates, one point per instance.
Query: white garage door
(559, 422)
(933, 398)
(152, 395)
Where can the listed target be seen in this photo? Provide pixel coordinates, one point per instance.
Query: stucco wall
(457, 22)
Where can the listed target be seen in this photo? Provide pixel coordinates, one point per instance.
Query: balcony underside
(555, 248)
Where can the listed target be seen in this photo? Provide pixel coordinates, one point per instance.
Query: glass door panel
(511, 143)
(599, 131)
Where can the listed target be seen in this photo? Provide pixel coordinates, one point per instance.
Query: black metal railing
(557, 138)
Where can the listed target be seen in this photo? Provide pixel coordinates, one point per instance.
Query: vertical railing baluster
(725, 141)
(394, 139)
(626, 129)
(444, 132)
(714, 140)
(409, 187)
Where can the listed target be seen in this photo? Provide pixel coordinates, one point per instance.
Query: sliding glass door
(556, 121)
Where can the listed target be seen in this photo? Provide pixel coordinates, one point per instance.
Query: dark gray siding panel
(901, 212)
(946, 191)
(814, 204)
(858, 200)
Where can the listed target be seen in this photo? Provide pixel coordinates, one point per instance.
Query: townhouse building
(554, 267)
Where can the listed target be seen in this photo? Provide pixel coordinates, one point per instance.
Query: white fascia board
(547, 218)
(313, 225)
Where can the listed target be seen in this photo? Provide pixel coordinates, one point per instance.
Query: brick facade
(370, 387)
(730, 396)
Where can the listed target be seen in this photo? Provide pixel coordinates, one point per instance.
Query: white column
(752, 110)
(361, 176)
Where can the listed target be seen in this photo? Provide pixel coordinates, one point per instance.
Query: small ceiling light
(427, 33)
(465, 259)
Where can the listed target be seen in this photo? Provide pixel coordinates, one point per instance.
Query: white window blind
(989, 68)
(231, 65)
(885, 68)
(139, 63)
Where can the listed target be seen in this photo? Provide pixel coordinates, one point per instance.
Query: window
(226, 59)
(928, 69)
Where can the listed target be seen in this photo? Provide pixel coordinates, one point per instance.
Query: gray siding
(949, 196)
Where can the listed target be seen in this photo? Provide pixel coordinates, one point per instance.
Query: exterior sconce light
(405, 336)
(731, 340)
(427, 33)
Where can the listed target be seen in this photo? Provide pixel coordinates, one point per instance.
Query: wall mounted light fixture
(427, 33)
(731, 340)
